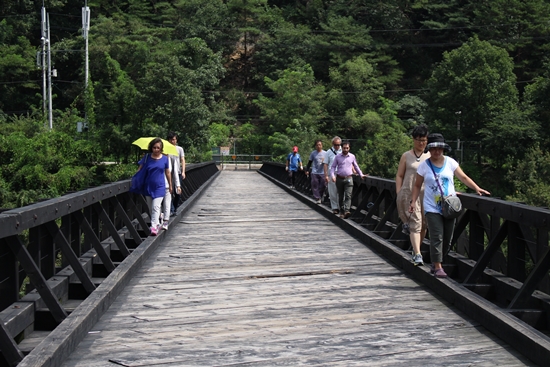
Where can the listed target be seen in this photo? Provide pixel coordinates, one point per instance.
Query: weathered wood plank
(252, 277)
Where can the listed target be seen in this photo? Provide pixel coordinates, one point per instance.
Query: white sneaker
(165, 226)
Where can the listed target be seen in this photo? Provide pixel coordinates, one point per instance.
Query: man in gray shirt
(316, 162)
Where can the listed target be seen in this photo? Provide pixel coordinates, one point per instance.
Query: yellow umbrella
(168, 148)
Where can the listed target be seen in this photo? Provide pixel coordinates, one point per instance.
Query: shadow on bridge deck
(252, 276)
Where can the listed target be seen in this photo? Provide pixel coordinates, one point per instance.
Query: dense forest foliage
(263, 76)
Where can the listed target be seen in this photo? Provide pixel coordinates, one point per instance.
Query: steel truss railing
(500, 250)
(55, 253)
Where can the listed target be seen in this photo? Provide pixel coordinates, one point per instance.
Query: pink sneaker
(154, 231)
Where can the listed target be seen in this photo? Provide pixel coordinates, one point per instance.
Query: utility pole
(50, 116)
(44, 40)
(458, 113)
(85, 29)
(46, 59)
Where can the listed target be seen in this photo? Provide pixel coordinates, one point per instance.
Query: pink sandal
(440, 273)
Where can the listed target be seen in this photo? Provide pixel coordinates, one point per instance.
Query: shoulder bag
(451, 206)
(139, 179)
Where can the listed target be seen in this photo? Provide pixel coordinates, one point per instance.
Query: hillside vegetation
(263, 76)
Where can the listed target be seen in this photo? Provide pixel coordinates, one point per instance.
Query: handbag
(139, 179)
(451, 206)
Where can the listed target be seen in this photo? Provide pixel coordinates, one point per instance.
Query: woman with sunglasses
(404, 183)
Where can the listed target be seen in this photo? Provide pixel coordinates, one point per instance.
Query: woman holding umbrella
(158, 180)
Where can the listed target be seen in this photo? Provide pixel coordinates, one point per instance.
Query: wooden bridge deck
(254, 277)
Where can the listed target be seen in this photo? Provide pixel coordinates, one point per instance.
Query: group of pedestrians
(333, 168)
(164, 175)
(424, 177)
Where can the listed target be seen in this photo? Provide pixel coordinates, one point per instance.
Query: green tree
(247, 17)
(285, 46)
(507, 140)
(360, 124)
(530, 178)
(522, 27)
(208, 20)
(280, 143)
(514, 126)
(170, 95)
(537, 98)
(472, 85)
(116, 117)
(353, 85)
(381, 157)
(250, 142)
(43, 165)
(18, 70)
(385, 134)
(411, 110)
(218, 135)
(296, 99)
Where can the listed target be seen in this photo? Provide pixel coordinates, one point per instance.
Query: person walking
(293, 163)
(329, 158)
(158, 176)
(173, 166)
(173, 138)
(404, 181)
(316, 159)
(344, 164)
(437, 174)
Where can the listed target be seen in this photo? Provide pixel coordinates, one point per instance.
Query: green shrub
(113, 172)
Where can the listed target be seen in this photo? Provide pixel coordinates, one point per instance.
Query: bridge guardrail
(53, 254)
(500, 249)
(228, 160)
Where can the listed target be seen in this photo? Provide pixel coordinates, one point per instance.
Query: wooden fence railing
(500, 250)
(55, 253)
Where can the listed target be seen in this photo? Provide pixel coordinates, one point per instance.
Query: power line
(17, 16)
(20, 82)
(341, 92)
(314, 31)
(67, 15)
(369, 46)
(18, 112)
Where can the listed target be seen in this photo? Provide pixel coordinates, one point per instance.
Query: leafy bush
(43, 165)
(112, 172)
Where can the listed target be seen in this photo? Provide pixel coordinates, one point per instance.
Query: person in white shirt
(329, 158)
(173, 138)
(437, 174)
